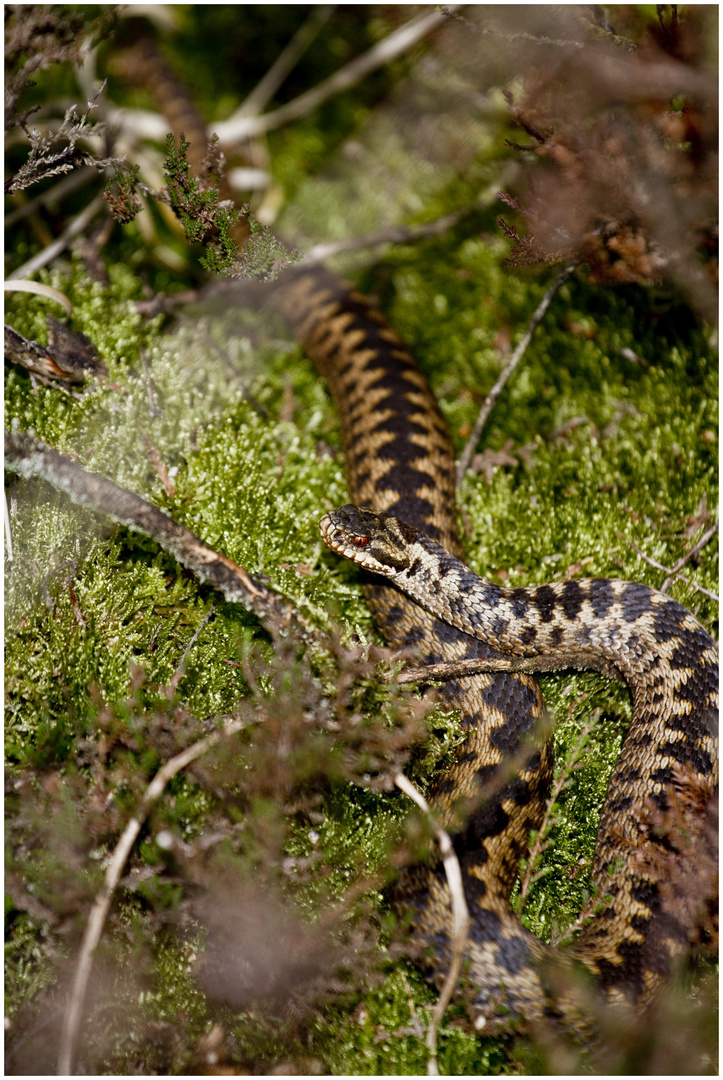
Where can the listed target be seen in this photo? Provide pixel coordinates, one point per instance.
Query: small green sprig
(208, 221)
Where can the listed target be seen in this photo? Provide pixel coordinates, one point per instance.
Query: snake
(623, 629)
(400, 463)
(401, 474)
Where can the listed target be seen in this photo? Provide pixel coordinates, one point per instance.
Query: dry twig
(674, 571)
(78, 223)
(395, 44)
(395, 234)
(284, 63)
(690, 555)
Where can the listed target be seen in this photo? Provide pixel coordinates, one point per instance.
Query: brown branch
(450, 669)
(466, 455)
(29, 457)
(101, 906)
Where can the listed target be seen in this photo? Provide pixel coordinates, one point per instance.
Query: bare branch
(471, 446)
(690, 555)
(478, 666)
(30, 457)
(284, 63)
(396, 234)
(673, 571)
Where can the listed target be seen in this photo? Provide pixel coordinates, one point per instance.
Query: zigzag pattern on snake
(400, 462)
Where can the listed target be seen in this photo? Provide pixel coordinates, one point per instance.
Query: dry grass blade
(78, 223)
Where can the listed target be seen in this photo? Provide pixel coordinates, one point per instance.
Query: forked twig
(101, 905)
(690, 555)
(460, 919)
(466, 455)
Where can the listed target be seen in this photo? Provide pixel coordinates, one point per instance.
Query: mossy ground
(606, 438)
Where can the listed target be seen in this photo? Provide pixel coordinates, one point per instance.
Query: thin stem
(181, 666)
(395, 234)
(673, 571)
(65, 186)
(285, 62)
(8, 533)
(466, 455)
(690, 555)
(29, 457)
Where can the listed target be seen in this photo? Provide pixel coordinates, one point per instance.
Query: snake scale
(400, 461)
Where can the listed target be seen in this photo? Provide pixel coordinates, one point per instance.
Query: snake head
(378, 542)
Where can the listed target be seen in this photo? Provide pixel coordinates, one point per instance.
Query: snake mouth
(334, 537)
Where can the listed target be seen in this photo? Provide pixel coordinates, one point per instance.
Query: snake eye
(360, 541)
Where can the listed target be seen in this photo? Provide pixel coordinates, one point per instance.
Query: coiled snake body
(400, 462)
